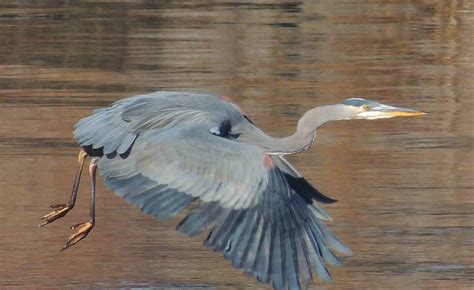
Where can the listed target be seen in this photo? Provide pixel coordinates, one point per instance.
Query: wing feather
(170, 157)
(116, 128)
(264, 255)
(200, 219)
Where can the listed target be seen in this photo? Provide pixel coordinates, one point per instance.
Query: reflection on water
(405, 186)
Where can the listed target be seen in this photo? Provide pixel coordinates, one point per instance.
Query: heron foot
(83, 229)
(60, 211)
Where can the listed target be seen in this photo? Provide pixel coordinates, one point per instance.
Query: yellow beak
(405, 113)
(384, 111)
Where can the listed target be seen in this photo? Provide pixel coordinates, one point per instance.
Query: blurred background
(405, 186)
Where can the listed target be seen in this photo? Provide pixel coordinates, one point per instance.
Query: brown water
(405, 185)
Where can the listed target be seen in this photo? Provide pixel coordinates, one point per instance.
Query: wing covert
(193, 160)
(115, 129)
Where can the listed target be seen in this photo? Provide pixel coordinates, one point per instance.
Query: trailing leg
(62, 209)
(84, 228)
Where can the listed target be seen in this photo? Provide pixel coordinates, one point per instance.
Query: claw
(61, 210)
(81, 233)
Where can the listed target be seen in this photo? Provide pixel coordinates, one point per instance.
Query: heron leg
(62, 209)
(83, 229)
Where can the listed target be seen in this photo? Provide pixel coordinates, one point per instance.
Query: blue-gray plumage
(164, 150)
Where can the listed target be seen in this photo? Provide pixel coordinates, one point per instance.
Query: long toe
(83, 229)
(61, 210)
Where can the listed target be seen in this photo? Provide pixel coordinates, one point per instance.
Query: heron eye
(366, 107)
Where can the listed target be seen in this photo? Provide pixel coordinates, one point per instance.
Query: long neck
(306, 129)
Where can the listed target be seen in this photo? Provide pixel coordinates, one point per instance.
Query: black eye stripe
(355, 102)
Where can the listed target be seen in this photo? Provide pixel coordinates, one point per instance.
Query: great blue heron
(164, 150)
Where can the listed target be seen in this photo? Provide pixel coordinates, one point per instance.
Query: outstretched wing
(113, 130)
(252, 213)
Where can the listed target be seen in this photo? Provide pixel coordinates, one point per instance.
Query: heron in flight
(164, 150)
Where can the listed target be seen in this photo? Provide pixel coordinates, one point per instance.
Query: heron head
(371, 110)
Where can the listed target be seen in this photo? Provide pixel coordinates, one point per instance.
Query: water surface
(405, 186)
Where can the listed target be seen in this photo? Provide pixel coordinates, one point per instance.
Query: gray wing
(105, 129)
(113, 130)
(250, 210)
